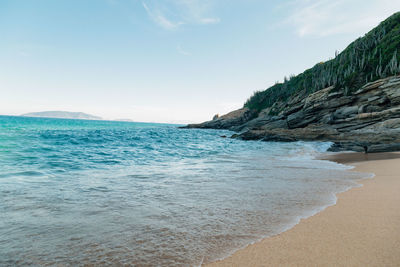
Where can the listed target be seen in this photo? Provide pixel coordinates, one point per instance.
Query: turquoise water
(78, 192)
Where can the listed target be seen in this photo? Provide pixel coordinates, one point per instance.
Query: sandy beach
(362, 229)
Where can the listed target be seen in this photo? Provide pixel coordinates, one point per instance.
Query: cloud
(209, 20)
(326, 17)
(160, 19)
(182, 51)
(174, 13)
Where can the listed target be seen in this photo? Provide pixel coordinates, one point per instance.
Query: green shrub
(374, 56)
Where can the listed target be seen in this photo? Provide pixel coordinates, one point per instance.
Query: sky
(174, 61)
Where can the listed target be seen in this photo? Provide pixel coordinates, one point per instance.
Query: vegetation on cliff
(369, 58)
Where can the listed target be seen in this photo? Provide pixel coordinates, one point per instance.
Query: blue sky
(165, 61)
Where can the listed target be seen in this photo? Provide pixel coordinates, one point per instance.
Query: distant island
(62, 115)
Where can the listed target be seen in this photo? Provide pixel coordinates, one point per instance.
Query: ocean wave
(109, 193)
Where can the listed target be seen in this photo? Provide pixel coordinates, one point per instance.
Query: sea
(107, 193)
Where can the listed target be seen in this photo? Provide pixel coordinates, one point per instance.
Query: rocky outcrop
(367, 120)
(228, 121)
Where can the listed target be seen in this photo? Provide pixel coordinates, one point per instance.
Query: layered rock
(228, 121)
(367, 120)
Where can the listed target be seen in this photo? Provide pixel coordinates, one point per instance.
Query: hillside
(62, 115)
(352, 100)
(369, 58)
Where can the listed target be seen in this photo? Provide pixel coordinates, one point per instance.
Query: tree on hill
(367, 59)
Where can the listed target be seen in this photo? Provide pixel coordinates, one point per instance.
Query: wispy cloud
(209, 20)
(182, 51)
(160, 19)
(326, 17)
(174, 13)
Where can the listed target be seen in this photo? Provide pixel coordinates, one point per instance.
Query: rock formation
(352, 100)
(367, 120)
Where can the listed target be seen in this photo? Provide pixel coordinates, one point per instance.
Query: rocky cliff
(367, 120)
(352, 100)
(234, 120)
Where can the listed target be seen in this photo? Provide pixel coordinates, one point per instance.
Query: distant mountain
(62, 115)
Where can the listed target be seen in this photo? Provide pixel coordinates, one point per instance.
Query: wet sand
(362, 229)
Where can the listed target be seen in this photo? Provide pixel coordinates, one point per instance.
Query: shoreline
(346, 233)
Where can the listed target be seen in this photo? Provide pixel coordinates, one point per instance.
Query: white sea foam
(95, 192)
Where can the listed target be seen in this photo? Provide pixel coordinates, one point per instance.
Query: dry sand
(362, 229)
